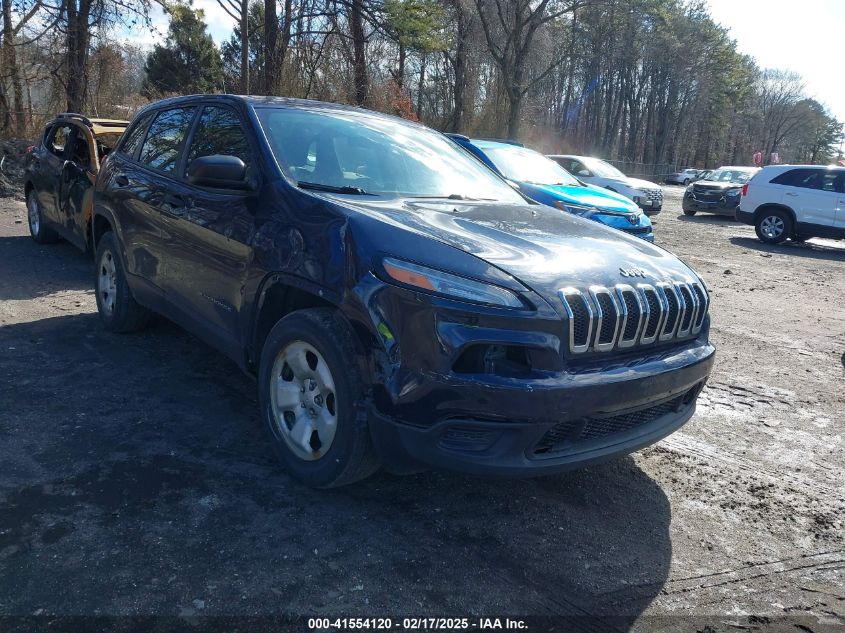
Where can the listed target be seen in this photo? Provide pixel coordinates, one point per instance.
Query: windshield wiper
(451, 196)
(316, 186)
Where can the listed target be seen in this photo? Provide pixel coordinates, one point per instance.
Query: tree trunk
(514, 113)
(459, 65)
(420, 86)
(78, 37)
(245, 47)
(399, 76)
(271, 36)
(11, 70)
(359, 60)
(282, 53)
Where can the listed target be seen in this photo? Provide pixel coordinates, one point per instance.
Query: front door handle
(791, 194)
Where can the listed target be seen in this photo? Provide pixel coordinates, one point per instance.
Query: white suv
(594, 171)
(795, 202)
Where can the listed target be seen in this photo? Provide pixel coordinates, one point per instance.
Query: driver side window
(580, 169)
(219, 132)
(59, 137)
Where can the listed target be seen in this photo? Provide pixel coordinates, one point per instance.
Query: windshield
(526, 165)
(735, 176)
(355, 152)
(602, 169)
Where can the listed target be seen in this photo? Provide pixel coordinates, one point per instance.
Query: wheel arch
(102, 221)
(280, 295)
(768, 206)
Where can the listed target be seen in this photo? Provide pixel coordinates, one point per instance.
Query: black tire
(686, 181)
(690, 212)
(118, 309)
(773, 226)
(350, 456)
(39, 231)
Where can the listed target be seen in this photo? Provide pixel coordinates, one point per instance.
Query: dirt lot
(135, 478)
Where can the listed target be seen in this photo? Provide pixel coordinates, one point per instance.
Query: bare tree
(510, 27)
(238, 10)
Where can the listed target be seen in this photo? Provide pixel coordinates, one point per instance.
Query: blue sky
(800, 35)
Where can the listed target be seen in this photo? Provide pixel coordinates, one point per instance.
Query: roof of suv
(97, 125)
(261, 100)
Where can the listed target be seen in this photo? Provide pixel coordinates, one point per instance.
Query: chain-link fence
(656, 172)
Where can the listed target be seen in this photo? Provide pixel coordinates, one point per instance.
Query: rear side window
(135, 135)
(219, 132)
(821, 179)
(165, 138)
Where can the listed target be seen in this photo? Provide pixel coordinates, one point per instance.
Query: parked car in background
(795, 202)
(647, 195)
(685, 176)
(548, 183)
(400, 304)
(717, 193)
(60, 173)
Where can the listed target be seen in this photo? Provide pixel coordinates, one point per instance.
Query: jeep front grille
(602, 319)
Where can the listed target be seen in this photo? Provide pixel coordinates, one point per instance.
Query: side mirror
(584, 172)
(218, 171)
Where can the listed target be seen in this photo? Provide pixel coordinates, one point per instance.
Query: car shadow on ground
(825, 250)
(708, 218)
(137, 479)
(49, 268)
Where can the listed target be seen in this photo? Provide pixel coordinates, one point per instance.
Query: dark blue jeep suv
(399, 303)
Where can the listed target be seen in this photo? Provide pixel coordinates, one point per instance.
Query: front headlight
(448, 285)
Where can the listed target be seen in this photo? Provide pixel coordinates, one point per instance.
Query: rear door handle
(121, 180)
(791, 194)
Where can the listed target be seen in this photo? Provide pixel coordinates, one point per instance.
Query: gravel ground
(135, 479)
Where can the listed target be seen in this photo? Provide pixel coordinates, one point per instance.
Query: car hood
(639, 183)
(590, 196)
(708, 185)
(546, 249)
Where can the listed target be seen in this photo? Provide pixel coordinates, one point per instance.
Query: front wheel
(312, 398)
(686, 181)
(118, 309)
(689, 212)
(39, 231)
(773, 227)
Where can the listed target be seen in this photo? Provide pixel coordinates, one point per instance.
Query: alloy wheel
(33, 215)
(107, 281)
(772, 227)
(303, 400)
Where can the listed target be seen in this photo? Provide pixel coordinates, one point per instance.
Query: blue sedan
(545, 181)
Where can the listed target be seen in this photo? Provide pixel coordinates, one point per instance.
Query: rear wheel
(39, 231)
(773, 226)
(312, 398)
(690, 211)
(118, 309)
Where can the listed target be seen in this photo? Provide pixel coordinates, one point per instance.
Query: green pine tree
(189, 62)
